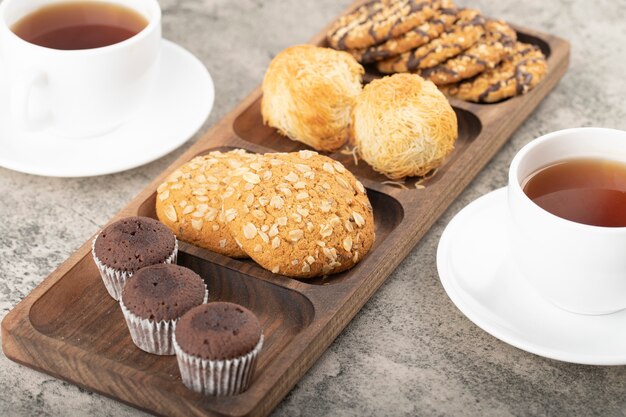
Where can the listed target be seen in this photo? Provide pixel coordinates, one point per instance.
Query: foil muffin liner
(153, 336)
(217, 377)
(115, 279)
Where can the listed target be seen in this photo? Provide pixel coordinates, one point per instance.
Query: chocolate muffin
(216, 346)
(153, 300)
(129, 244)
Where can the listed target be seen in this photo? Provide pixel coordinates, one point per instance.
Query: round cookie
(469, 28)
(189, 202)
(351, 20)
(516, 75)
(497, 44)
(414, 38)
(308, 217)
(378, 21)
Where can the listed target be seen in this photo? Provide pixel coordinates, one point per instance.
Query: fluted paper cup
(153, 336)
(115, 279)
(217, 377)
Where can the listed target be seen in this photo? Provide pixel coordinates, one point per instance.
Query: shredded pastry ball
(308, 94)
(403, 126)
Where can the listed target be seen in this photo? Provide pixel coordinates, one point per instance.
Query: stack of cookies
(298, 214)
(467, 55)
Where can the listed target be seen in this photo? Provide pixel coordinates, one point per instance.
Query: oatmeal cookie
(414, 38)
(300, 214)
(189, 201)
(378, 21)
(497, 44)
(469, 28)
(516, 75)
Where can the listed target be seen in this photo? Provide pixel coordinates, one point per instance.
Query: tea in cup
(80, 68)
(567, 205)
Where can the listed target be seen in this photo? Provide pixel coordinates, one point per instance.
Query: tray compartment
(249, 127)
(388, 214)
(79, 311)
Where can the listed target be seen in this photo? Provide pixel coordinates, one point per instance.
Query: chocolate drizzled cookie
(498, 43)
(516, 75)
(469, 28)
(414, 38)
(378, 21)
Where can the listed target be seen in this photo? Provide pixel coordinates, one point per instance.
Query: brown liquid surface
(79, 25)
(588, 191)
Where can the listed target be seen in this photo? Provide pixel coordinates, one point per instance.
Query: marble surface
(409, 351)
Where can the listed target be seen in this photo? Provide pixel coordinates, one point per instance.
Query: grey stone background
(409, 351)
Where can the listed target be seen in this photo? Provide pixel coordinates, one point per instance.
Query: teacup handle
(21, 102)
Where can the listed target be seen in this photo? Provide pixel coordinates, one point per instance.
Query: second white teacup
(578, 267)
(82, 92)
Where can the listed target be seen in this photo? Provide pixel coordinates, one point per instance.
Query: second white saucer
(179, 106)
(477, 272)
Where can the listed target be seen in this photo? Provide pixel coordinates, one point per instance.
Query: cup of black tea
(79, 67)
(567, 205)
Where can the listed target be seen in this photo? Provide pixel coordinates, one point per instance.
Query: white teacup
(78, 93)
(577, 267)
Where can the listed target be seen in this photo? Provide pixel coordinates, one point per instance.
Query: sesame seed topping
(347, 244)
(358, 219)
(249, 230)
(164, 195)
(196, 224)
(251, 178)
(339, 167)
(277, 202)
(303, 167)
(170, 212)
(326, 230)
(230, 215)
(291, 177)
(307, 154)
(295, 235)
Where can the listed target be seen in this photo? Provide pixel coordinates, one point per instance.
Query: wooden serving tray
(70, 328)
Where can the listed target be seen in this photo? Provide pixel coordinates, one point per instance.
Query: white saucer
(181, 103)
(477, 272)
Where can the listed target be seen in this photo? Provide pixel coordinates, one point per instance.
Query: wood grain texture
(70, 328)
